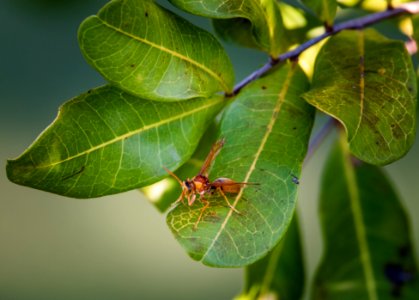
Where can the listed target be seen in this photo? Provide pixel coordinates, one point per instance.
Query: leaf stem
(354, 24)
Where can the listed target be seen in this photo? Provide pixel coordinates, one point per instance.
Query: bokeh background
(116, 247)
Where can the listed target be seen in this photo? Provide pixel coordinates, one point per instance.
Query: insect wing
(228, 185)
(215, 149)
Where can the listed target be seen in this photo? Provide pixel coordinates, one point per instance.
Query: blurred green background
(116, 247)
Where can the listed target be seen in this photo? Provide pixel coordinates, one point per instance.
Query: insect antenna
(173, 175)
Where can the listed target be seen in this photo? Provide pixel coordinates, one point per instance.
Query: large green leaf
(368, 252)
(107, 141)
(279, 275)
(324, 9)
(251, 23)
(150, 52)
(266, 131)
(367, 82)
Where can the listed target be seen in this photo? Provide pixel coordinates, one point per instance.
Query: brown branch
(359, 23)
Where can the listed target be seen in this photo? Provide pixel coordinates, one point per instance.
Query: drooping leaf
(368, 252)
(164, 192)
(325, 10)
(107, 141)
(251, 23)
(266, 131)
(367, 83)
(152, 53)
(279, 275)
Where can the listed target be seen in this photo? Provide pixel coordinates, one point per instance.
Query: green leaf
(367, 83)
(279, 275)
(415, 25)
(368, 252)
(266, 131)
(107, 141)
(152, 53)
(251, 23)
(324, 9)
(164, 192)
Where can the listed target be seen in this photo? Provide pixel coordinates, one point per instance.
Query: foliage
(171, 96)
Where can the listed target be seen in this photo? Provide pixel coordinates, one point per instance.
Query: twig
(359, 23)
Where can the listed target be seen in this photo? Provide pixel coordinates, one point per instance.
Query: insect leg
(206, 204)
(225, 198)
(180, 199)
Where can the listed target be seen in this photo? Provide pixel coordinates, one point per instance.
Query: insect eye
(187, 184)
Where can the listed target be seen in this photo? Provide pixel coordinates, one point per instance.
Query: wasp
(202, 186)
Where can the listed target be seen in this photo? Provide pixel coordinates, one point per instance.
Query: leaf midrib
(361, 49)
(169, 51)
(360, 230)
(134, 132)
(274, 117)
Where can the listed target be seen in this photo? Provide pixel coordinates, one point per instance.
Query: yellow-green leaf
(266, 131)
(251, 23)
(368, 84)
(150, 52)
(325, 10)
(107, 141)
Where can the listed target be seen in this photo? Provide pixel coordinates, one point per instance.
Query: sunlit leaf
(107, 141)
(251, 23)
(293, 18)
(279, 275)
(324, 9)
(368, 253)
(367, 83)
(152, 53)
(266, 131)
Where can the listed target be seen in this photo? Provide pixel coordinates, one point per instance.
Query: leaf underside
(107, 141)
(266, 130)
(367, 83)
(368, 252)
(152, 53)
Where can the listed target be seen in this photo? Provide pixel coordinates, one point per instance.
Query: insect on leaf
(367, 83)
(107, 141)
(150, 52)
(164, 192)
(266, 131)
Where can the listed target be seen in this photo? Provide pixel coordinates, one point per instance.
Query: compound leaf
(368, 252)
(152, 53)
(251, 23)
(266, 131)
(107, 141)
(367, 83)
